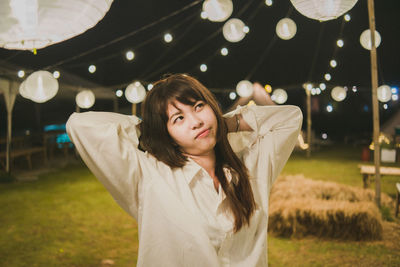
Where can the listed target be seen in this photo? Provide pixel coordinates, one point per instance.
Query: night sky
(261, 56)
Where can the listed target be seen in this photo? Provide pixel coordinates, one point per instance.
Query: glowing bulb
(340, 43)
(224, 51)
(324, 136)
(21, 73)
(246, 29)
(333, 63)
(168, 38)
(119, 93)
(327, 77)
(395, 97)
(309, 86)
(322, 86)
(149, 86)
(318, 91)
(313, 91)
(232, 95)
(92, 68)
(385, 106)
(56, 74)
(203, 67)
(354, 89)
(129, 55)
(329, 108)
(347, 17)
(268, 88)
(268, 2)
(203, 15)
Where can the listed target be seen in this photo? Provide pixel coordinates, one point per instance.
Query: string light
(167, 37)
(149, 86)
(224, 51)
(324, 136)
(268, 2)
(203, 15)
(119, 93)
(318, 91)
(246, 29)
(21, 73)
(322, 86)
(203, 67)
(56, 74)
(354, 89)
(347, 17)
(395, 97)
(333, 63)
(327, 77)
(129, 55)
(92, 68)
(340, 43)
(268, 88)
(329, 108)
(232, 95)
(385, 106)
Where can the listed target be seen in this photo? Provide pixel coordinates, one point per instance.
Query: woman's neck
(206, 161)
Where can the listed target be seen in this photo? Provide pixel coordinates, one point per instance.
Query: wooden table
(369, 170)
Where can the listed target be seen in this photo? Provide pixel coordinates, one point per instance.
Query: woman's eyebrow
(176, 113)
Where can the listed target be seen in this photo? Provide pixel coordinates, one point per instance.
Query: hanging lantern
(218, 10)
(34, 24)
(233, 30)
(286, 29)
(135, 92)
(85, 99)
(365, 39)
(384, 93)
(41, 86)
(323, 10)
(279, 96)
(338, 93)
(22, 91)
(244, 88)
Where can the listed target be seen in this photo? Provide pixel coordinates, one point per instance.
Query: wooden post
(115, 104)
(375, 106)
(308, 93)
(134, 109)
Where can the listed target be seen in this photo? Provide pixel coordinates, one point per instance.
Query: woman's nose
(196, 121)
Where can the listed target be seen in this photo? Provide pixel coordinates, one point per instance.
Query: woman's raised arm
(107, 143)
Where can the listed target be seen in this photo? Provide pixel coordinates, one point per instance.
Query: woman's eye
(199, 106)
(179, 118)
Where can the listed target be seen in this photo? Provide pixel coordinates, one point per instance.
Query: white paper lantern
(233, 30)
(279, 96)
(85, 99)
(323, 10)
(286, 29)
(365, 39)
(218, 10)
(135, 92)
(41, 86)
(30, 24)
(338, 93)
(384, 93)
(22, 91)
(244, 88)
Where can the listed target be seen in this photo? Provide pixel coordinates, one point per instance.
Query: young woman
(199, 185)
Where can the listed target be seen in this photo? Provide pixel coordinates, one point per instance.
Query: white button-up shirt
(182, 219)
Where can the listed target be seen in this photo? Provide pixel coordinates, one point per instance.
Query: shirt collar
(191, 169)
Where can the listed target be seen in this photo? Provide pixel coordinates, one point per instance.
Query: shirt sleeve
(267, 148)
(107, 142)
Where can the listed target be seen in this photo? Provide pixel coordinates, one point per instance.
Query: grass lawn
(66, 218)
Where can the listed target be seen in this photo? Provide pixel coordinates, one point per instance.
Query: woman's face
(193, 128)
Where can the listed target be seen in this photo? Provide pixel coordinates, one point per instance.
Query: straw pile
(300, 207)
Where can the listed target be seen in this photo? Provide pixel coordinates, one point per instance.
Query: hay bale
(301, 207)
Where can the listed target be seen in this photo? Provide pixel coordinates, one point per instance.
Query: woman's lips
(203, 133)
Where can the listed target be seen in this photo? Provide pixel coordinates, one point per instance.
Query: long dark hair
(157, 141)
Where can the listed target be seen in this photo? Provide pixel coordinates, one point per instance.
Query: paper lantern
(286, 29)
(365, 39)
(218, 10)
(244, 88)
(233, 30)
(279, 96)
(41, 86)
(323, 10)
(384, 93)
(22, 91)
(30, 24)
(85, 99)
(338, 93)
(135, 92)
